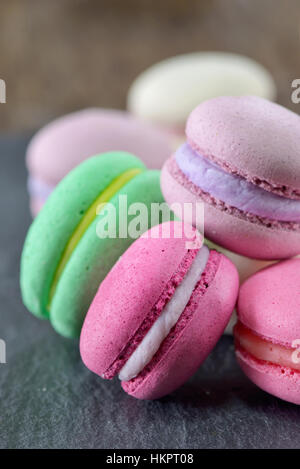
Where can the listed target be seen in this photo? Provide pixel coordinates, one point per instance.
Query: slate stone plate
(48, 399)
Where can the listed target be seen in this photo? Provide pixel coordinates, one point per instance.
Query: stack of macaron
(150, 310)
(241, 161)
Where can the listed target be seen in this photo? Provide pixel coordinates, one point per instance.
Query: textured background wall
(60, 55)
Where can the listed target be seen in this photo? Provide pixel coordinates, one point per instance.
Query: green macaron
(67, 252)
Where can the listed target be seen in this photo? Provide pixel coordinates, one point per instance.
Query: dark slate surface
(49, 400)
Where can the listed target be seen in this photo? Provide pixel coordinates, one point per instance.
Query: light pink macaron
(267, 335)
(242, 161)
(159, 312)
(67, 141)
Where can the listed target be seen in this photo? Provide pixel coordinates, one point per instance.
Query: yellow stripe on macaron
(86, 221)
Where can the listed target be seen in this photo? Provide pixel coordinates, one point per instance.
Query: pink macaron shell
(197, 338)
(269, 302)
(67, 141)
(127, 295)
(279, 381)
(252, 137)
(238, 234)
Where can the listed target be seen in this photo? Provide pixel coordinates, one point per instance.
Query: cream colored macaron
(168, 91)
(245, 266)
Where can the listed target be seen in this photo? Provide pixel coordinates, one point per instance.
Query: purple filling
(38, 188)
(233, 189)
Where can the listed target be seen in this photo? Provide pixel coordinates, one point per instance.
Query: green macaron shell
(94, 256)
(52, 229)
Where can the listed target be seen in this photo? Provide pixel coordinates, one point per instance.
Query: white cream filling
(167, 319)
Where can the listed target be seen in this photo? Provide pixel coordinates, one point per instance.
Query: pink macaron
(242, 161)
(159, 312)
(67, 141)
(267, 335)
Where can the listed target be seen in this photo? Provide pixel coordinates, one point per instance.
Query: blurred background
(61, 55)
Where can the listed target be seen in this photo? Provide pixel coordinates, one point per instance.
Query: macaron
(267, 335)
(168, 91)
(242, 161)
(67, 141)
(159, 312)
(81, 232)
